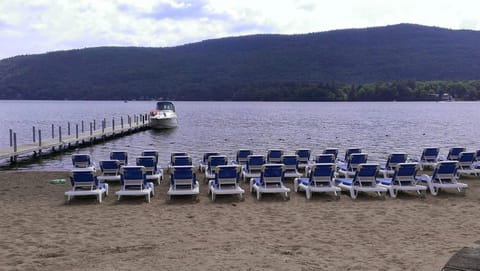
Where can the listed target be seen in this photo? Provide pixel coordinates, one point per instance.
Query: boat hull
(163, 123)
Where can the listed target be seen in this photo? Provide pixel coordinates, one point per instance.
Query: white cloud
(37, 26)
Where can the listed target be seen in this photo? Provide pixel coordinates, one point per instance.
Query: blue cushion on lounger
(385, 181)
(346, 181)
(304, 181)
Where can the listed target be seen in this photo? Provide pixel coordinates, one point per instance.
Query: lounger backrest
(255, 162)
(242, 155)
(303, 155)
(454, 153)
(430, 154)
(325, 158)
(149, 162)
(81, 160)
(394, 159)
(133, 177)
(183, 176)
(182, 161)
(445, 171)
(110, 167)
(121, 156)
(217, 160)
(207, 155)
(83, 178)
(333, 151)
(272, 174)
(174, 154)
(322, 174)
(150, 153)
(355, 159)
(366, 175)
(466, 159)
(274, 156)
(477, 155)
(405, 173)
(351, 151)
(227, 175)
(290, 161)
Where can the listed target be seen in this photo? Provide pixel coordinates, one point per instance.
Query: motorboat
(164, 116)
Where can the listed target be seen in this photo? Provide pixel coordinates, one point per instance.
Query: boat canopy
(165, 106)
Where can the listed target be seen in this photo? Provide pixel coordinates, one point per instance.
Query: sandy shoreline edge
(41, 232)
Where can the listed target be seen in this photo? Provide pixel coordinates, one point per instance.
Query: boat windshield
(165, 106)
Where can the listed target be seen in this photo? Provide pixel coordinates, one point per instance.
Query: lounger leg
(308, 193)
(99, 197)
(353, 193)
(392, 193)
(106, 189)
(433, 189)
(295, 185)
(259, 195)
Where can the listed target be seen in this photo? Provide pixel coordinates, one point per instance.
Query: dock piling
(11, 137)
(53, 131)
(60, 134)
(39, 137)
(33, 134)
(14, 142)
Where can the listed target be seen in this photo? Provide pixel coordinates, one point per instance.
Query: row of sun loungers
(266, 174)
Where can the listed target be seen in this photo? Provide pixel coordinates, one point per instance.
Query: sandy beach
(40, 232)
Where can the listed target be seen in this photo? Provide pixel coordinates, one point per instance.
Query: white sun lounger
(320, 179)
(109, 170)
(444, 177)
(270, 181)
(226, 182)
(183, 181)
(404, 179)
(364, 181)
(134, 183)
(85, 183)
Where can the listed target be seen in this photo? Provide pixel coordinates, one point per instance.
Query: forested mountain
(333, 65)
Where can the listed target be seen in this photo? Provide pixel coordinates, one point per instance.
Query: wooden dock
(75, 139)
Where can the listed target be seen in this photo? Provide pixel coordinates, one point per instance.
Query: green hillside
(333, 65)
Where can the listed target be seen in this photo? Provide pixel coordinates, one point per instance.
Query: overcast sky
(39, 26)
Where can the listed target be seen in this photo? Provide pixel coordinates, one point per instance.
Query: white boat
(164, 116)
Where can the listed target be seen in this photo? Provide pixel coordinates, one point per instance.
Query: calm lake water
(378, 127)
